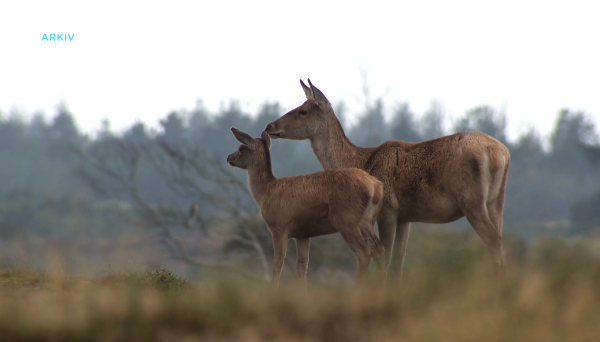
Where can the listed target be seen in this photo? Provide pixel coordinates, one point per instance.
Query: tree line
(49, 167)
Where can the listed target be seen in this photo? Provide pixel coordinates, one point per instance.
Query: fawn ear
(318, 95)
(242, 137)
(266, 138)
(307, 91)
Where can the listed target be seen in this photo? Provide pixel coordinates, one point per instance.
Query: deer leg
(400, 246)
(377, 251)
(386, 221)
(362, 251)
(280, 243)
(485, 228)
(349, 225)
(302, 250)
(495, 211)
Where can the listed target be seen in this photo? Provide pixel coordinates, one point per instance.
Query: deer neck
(334, 150)
(259, 178)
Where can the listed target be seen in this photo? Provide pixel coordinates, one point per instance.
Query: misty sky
(137, 60)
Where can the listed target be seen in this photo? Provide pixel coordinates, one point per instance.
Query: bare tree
(112, 167)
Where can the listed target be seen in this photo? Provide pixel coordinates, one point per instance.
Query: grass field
(552, 293)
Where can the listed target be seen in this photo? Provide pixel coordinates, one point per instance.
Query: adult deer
(345, 201)
(435, 181)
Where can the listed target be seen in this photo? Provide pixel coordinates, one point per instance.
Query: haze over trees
(57, 182)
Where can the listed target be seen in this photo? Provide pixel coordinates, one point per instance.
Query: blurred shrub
(585, 214)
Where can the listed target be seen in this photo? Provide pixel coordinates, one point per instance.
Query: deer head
(305, 121)
(252, 151)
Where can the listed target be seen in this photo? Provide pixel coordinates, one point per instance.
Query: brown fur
(435, 181)
(344, 200)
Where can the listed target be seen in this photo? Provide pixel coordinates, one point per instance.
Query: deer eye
(303, 112)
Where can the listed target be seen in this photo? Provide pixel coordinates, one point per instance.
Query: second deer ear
(266, 138)
(242, 137)
(318, 95)
(307, 91)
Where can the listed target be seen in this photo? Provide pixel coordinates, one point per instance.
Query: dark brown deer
(345, 201)
(435, 181)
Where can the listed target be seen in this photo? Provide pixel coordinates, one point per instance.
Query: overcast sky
(137, 60)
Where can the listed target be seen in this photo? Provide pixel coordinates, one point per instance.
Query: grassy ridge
(552, 293)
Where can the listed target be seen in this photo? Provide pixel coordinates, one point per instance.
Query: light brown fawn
(435, 181)
(344, 200)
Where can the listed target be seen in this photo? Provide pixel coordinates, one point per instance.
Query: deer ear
(266, 138)
(307, 91)
(242, 137)
(318, 95)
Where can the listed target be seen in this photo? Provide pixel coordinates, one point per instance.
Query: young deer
(345, 201)
(435, 181)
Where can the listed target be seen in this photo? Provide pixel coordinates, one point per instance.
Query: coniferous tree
(137, 133)
(403, 125)
(371, 129)
(432, 122)
(570, 131)
(63, 125)
(484, 119)
(173, 128)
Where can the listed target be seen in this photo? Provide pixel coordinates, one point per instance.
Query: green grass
(551, 293)
(160, 279)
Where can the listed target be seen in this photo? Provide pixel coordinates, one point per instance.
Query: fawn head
(252, 151)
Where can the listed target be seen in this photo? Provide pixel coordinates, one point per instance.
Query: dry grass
(552, 293)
